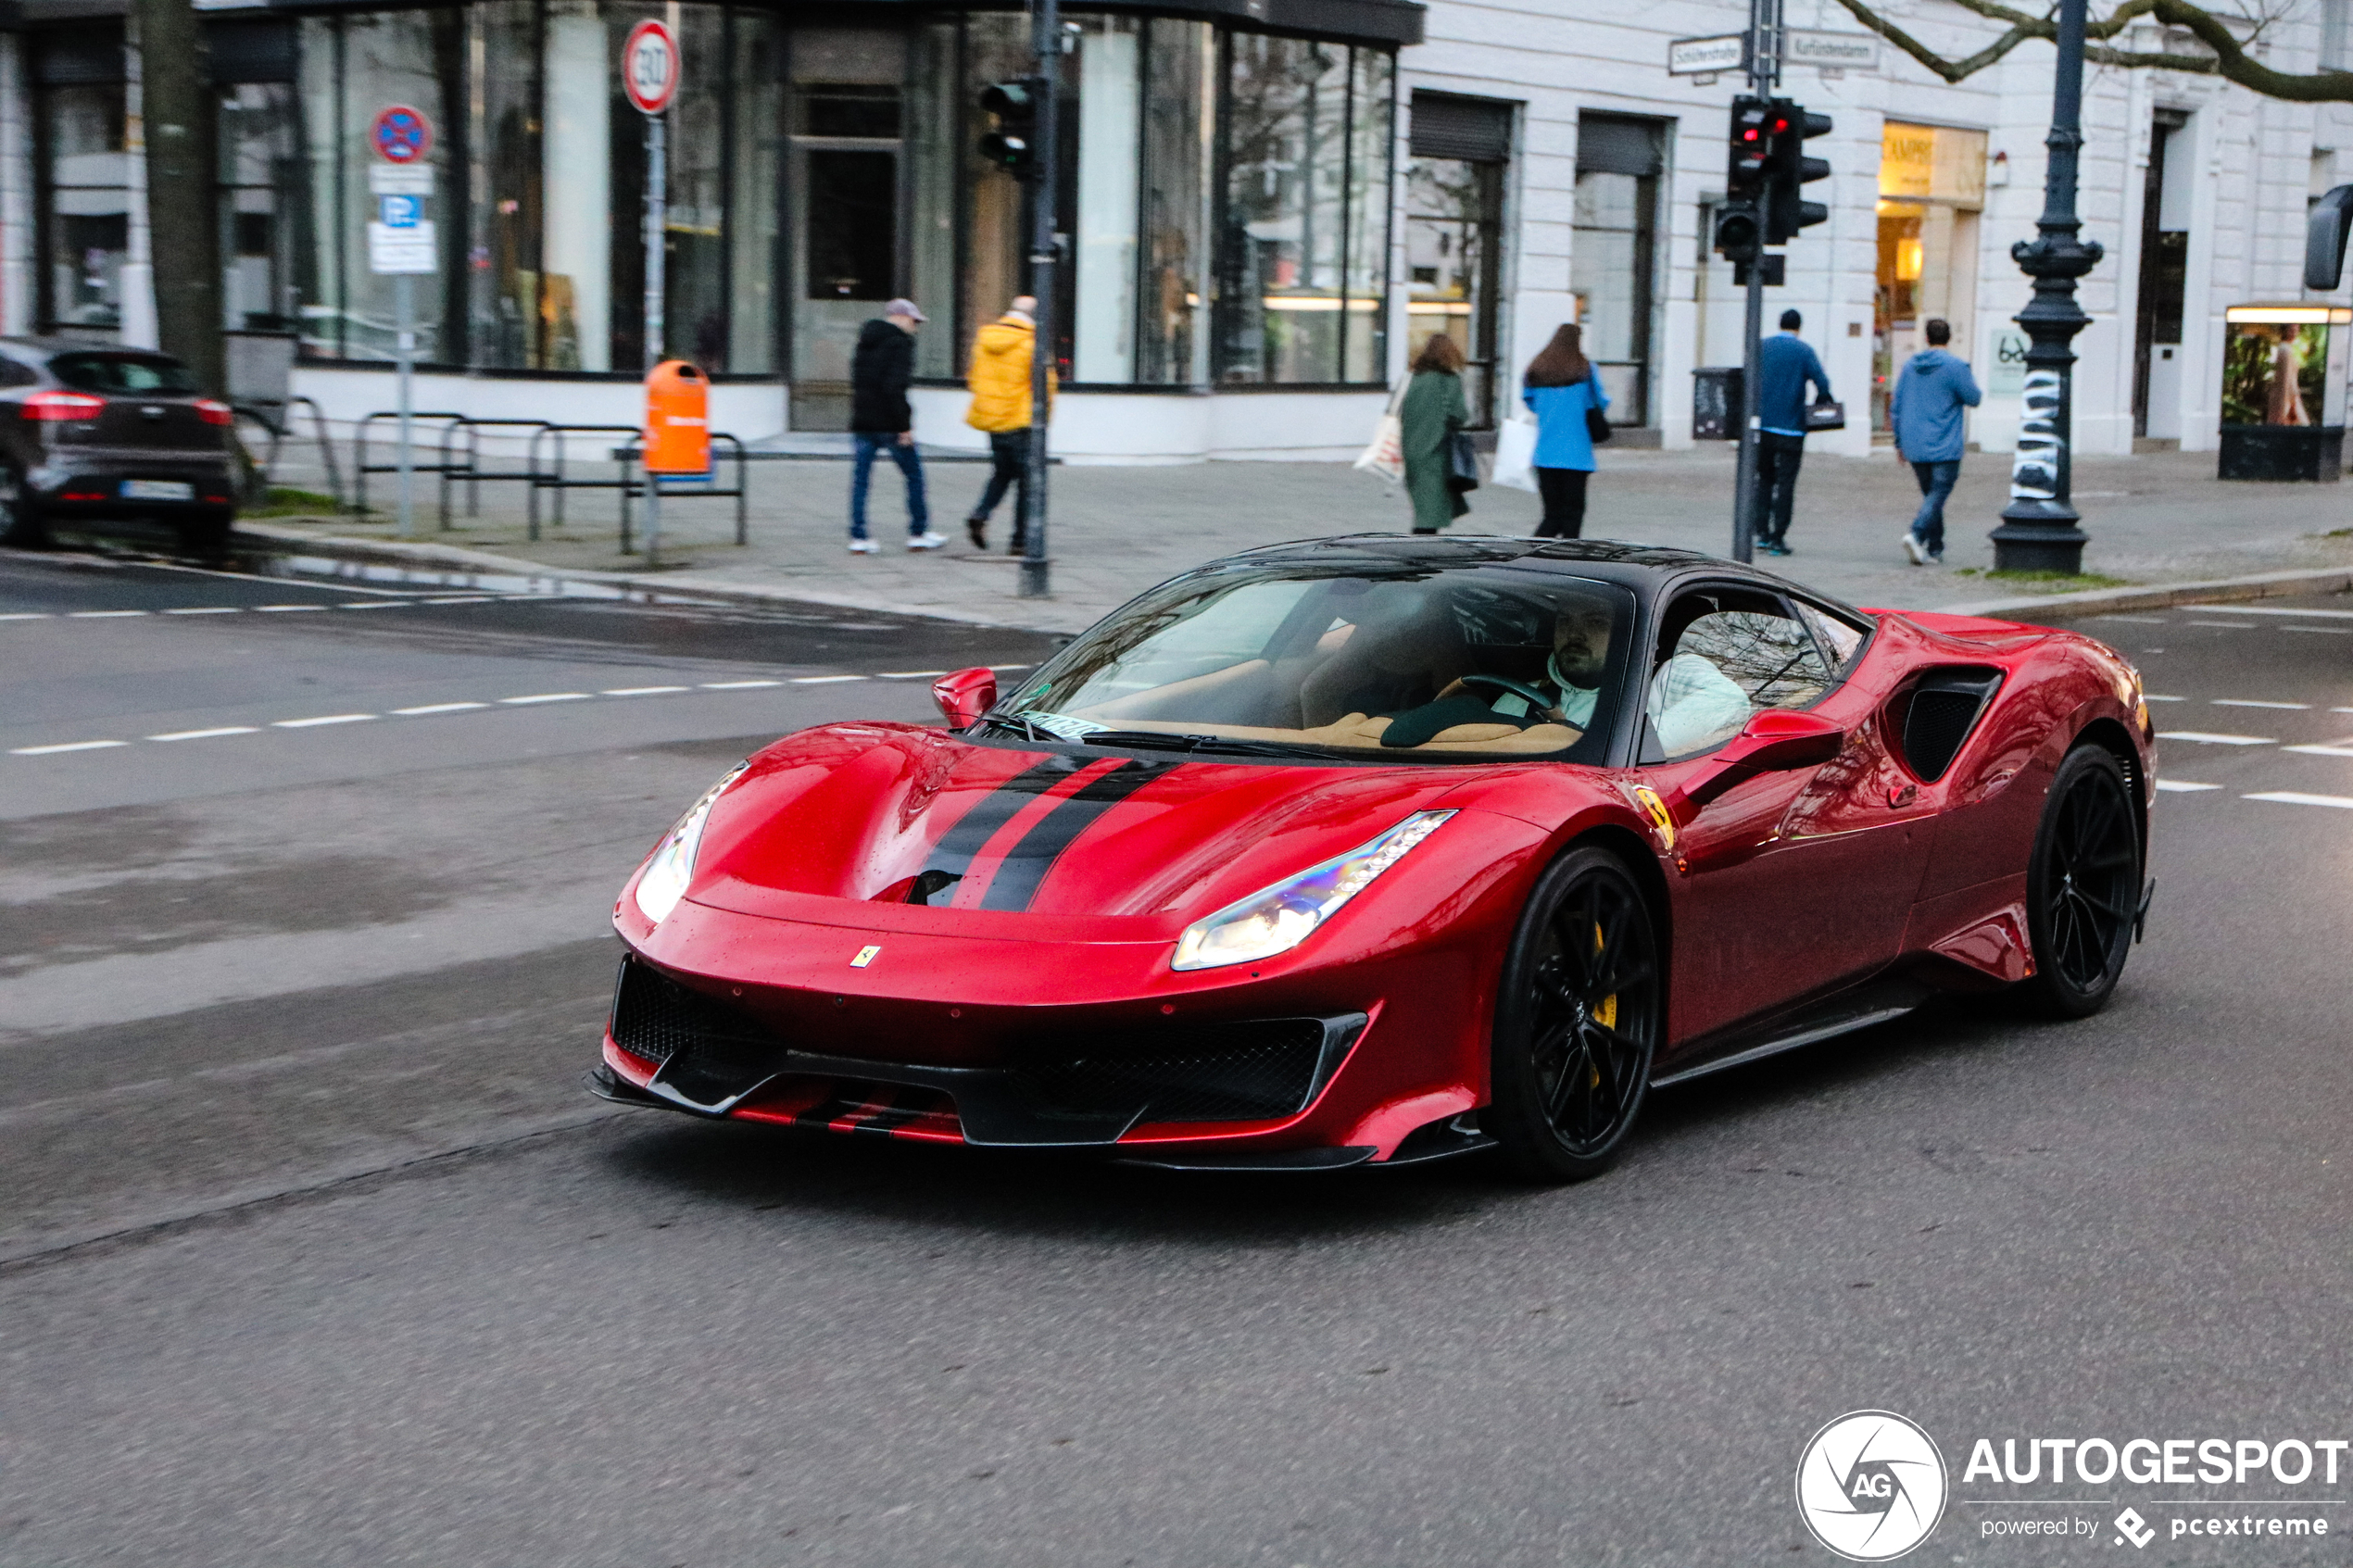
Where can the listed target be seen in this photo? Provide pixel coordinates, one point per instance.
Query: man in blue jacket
(1926, 410)
(1787, 365)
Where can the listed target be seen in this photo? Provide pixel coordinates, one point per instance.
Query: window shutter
(1476, 128)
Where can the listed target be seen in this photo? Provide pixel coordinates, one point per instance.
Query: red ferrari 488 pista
(1377, 850)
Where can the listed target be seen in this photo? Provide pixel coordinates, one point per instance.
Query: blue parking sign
(400, 212)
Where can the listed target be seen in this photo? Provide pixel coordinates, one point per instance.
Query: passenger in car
(1693, 704)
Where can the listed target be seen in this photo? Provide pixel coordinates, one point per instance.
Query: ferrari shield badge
(866, 955)
(1655, 810)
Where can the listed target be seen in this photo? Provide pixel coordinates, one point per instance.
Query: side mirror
(965, 694)
(1773, 741)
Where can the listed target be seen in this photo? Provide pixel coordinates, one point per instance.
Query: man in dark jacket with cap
(881, 422)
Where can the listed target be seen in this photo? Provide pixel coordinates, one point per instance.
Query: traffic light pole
(1036, 582)
(1764, 72)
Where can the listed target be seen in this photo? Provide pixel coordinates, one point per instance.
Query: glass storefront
(1931, 186)
(1225, 198)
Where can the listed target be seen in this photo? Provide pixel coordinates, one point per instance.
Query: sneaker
(1914, 548)
(927, 540)
(1777, 548)
(1936, 558)
(978, 527)
(865, 548)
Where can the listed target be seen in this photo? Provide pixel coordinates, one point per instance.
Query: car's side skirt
(1876, 1002)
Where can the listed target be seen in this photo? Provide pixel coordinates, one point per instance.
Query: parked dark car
(88, 430)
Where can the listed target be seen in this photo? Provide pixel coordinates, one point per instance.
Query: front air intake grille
(656, 1017)
(1943, 710)
(1222, 1073)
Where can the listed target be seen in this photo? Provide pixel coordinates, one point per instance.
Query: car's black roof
(1649, 570)
(40, 350)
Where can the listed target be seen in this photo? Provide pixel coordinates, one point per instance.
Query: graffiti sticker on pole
(402, 134)
(649, 67)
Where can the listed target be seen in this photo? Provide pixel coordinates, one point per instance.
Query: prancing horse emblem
(865, 955)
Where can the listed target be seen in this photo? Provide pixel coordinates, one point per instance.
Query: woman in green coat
(1433, 410)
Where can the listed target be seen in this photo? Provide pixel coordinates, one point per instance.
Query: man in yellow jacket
(999, 383)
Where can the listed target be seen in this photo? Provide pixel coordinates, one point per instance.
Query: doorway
(1613, 258)
(1932, 188)
(2165, 254)
(1455, 236)
(847, 126)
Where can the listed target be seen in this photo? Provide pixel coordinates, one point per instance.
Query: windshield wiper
(1021, 725)
(1159, 740)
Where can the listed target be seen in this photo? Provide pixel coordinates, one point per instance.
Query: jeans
(1778, 457)
(1009, 459)
(861, 474)
(1563, 493)
(1937, 482)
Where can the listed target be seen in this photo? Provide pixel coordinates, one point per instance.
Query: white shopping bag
(1516, 454)
(1386, 454)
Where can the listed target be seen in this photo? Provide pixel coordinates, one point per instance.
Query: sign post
(650, 76)
(402, 244)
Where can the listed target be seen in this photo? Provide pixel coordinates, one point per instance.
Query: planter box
(2311, 453)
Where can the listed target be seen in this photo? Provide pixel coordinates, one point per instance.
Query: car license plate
(157, 490)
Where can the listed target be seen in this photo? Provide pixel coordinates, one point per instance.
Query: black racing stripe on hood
(952, 856)
(1025, 865)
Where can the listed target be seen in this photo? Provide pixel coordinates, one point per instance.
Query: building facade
(1267, 206)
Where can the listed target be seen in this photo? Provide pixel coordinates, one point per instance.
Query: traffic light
(1739, 233)
(1749, 157)
(1013, 145)
(1787, 168)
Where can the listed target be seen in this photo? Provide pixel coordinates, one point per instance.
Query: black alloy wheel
(2083, 886)
(1576, 1021)
(20, 524)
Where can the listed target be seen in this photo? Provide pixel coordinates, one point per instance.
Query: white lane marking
(103, 614)
(737, 685)
(823, 680)
(461, 599)
(908, 675)
(69, 745)
(2227, 625)
(2341, 711)
(2204, 737)
(2142, 620)
(285, 609)
(380, 604)
(2183, 786)
(2257, 702)
(438, 708)
(30, 615)
(209, 609)
(2310, 614)
(207, 735)
(1012, 666)
(2152, 696)
(322, 719)
(643, 691)
(2320, 750)
(2297, 798)
(2322, 630)
(544, 697)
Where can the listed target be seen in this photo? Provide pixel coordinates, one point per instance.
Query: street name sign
(1707, 56)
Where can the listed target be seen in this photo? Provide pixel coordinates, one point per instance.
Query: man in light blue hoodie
(1926, 410)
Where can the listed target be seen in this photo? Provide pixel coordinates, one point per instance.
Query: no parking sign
(401, 135)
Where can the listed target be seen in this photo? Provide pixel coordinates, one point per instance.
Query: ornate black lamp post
(2038, 532)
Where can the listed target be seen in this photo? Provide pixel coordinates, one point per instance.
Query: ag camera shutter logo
(1871, 1486)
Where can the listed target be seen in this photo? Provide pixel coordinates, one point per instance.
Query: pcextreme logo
(1870, 1486)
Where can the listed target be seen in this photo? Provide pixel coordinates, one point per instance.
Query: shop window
(1932, 185)
(1454, 235)
(1179, 120)
(849, 114)
(851, 224)
(506, 234)
(1613, 262)
(388, 58)
(1109, 118)
(261, 204)
(89, 208)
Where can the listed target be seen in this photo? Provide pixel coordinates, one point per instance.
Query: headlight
(1277, 919)
(671, 865)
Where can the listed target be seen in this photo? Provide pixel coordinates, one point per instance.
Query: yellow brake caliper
(1605, 1011)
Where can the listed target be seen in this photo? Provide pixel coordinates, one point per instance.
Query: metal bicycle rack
(465, 466)
(681, 489)
(552, 474)
(363, 468)
(277, 417)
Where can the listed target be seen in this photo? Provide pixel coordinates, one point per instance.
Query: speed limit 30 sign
(649, 67)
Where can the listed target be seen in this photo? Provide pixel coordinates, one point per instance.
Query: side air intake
(1943, 710)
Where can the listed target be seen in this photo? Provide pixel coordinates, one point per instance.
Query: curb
(458, 559)
(2159, 595)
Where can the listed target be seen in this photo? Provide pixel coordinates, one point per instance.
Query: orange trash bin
(677, 418)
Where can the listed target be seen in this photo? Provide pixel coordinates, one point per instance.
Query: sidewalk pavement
(2155, 517)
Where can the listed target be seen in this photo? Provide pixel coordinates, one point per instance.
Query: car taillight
(56, 407)
(214, 412)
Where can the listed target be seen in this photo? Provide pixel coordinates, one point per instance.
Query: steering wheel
(1538, 701)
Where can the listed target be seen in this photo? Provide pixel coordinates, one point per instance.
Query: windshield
(1411, 662)
(122, 373)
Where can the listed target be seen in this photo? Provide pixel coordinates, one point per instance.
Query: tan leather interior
(1356, 730)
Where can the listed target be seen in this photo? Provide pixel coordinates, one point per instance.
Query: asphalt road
(313, 1253)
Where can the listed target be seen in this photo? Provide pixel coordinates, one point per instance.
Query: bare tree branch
(2229, 60)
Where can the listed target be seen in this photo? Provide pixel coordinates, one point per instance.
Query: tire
(20, 521)
(2083, 886)
(1576, 1021)
(208, 535)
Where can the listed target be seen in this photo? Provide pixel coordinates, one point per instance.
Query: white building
(1269, 204)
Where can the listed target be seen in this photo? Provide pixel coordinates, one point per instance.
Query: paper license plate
(157, 490)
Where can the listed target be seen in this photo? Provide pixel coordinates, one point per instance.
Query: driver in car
(1570, 687)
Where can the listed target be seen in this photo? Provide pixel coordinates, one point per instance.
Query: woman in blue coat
(1561, 388)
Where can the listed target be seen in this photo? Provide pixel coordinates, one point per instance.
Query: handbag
(1462, 463)
(1597, 426)
(1385, 455)
(1516, 454)
(1828, 414)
